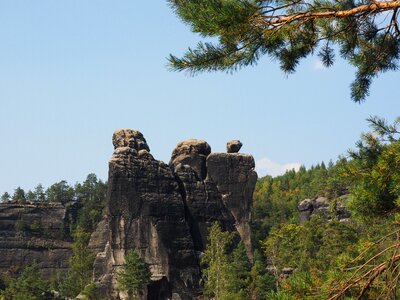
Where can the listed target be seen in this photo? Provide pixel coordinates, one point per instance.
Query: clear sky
(71, 72)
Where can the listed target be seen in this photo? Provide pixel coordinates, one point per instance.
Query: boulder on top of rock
(233, 146)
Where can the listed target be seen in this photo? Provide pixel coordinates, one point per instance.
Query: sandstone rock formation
(165, 211)
(35, 233)
(326, 207)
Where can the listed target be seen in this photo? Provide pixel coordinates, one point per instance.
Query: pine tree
(28, 286)
(81, 264)
(216, 263)
(19, 195)
(366, 33)
(374, 170)
(261, 282)
(60, 192)
(239, 274)
(40, 195)
(30, 196)
(5, 197)
(135, 274)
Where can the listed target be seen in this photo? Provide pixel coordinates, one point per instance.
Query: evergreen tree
(239, 274)
(28, 286)
(135, 274)
(366, 33)
(261, 281)
(30, 196)
(81, 265)
(19, 195)
(216, 263)
(5, 197)
(60, 192)
(40, 195)
(92, 195)
(374, 171)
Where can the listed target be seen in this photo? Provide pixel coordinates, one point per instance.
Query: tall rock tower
(164, 211)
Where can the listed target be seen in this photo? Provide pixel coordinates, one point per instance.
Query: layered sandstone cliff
(35, 233)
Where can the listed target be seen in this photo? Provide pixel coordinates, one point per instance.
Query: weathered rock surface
(165, 211)
(193, 153)
(35, 233)
(235, 179)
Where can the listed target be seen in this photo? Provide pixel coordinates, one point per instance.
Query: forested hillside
(327, 232)
(328, 257)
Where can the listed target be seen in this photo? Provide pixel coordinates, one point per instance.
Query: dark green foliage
(375, 172)
(289, 31)
(80, 268)
(30, 196)
(135, 274)
(239, 274)
(5, 197)
(216, 263)
(228, 273)
(28, 286)
(40, 195)
(92, 196)
(261, 282)
(276, 199)
(91, 292)
(60, 192)
(19, 195)
(344, 260)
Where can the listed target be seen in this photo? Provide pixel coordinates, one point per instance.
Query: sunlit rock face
(165, 211)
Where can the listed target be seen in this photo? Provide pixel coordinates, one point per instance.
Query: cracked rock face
(165, 211)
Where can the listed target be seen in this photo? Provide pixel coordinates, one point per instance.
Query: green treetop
(28, 286)
(80, 265)
(60, 192)
(5, 197)
(365, 33)
(135, 274)
(19, 195)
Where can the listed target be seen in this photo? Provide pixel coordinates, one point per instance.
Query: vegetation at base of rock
(227, 271)
(135, 274)
(90, 197)
(81, 262)
(325, 256)
(29, 285)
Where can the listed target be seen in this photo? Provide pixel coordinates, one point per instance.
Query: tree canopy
(135, 274)
(363, 32)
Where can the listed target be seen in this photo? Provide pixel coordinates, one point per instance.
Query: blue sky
(71, 72)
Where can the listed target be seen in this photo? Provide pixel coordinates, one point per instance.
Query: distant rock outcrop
(165, 211)
(330, 208)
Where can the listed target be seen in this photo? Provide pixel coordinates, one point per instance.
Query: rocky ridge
(165, 211)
